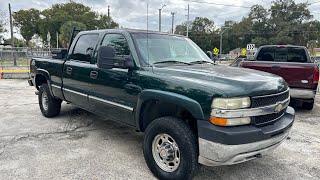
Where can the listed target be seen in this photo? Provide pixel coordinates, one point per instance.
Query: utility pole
(172, 13)
(160, 17)
(12, 39)
(188, 20)
(57, 39)
(221, 32)
(109, 17)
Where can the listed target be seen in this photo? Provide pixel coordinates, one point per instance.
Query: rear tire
(308, 105)
(171, 149)
(49, 106)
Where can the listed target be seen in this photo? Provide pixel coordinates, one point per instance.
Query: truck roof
(281, 45)
(130, 31)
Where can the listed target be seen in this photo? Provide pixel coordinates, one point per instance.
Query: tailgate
(297, 75)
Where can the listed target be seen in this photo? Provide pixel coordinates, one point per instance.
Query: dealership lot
(80, 145)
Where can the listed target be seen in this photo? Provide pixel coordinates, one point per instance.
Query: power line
(219, 4)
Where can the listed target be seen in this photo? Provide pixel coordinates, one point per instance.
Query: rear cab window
(282, 54)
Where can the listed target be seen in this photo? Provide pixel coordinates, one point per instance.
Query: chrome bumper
(302, 93)
(216, 154)
(233, 154)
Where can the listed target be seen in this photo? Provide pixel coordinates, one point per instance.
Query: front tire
(49, 105)
(171, 149)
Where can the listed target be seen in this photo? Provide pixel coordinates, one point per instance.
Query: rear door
(291, 63)
(76, 71)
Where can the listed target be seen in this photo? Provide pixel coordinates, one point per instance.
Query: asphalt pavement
(80, 145)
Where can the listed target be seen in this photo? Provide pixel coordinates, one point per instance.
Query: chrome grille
(267, 119)
(267, 100)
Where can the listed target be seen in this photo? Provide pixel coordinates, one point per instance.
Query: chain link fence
(15, 62)
(21, 55)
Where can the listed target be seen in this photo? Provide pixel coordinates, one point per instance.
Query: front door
(114, 93)
(76, 71)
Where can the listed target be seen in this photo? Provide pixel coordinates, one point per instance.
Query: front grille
(267, 100)
(267, 119)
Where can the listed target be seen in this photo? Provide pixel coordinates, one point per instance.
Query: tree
(286, 19)
(181, 29)
(286, 22)
(17, 42)
(2, 29)
(65, 31)
(28, 22)
(106, 22)
(203, 33)
(33, 22)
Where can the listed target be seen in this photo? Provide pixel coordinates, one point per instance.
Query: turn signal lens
(218, 121)
(230, 122)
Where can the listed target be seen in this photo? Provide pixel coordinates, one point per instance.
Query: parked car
(294, 65)
(164, 85)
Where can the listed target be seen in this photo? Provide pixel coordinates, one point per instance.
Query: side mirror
(107, 59)
(209, 54)
(313, 59)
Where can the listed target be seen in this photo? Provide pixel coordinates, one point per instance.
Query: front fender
(189, 104)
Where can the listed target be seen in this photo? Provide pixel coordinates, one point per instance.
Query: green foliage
(202, 32)
(286, 22)
(32, 21)
(66, 30)
(28, 22)
(17, 42)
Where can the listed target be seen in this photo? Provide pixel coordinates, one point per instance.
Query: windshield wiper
(172, 62)
(201, 62)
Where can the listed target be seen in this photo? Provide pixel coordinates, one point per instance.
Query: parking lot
(80, 145)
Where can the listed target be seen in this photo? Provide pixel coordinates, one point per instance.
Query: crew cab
(294, 65)
(190, 110)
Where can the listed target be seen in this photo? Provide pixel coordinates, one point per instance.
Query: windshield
(159, 48)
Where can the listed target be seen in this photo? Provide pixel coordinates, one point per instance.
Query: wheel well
(154, 109)
(40, 79)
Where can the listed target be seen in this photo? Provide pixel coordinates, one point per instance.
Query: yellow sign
(243, 52)
(215, 51)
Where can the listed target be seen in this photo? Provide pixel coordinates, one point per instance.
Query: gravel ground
(80, 145)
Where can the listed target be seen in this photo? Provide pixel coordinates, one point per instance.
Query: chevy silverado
(190, 110)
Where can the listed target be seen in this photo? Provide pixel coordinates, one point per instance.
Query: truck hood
(232, 82)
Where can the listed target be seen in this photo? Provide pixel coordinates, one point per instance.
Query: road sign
(243, 52)
(251, 46)
(215, 51)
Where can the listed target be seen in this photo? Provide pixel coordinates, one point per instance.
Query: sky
(133, 13)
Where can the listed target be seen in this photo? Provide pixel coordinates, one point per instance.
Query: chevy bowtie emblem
(278, 108)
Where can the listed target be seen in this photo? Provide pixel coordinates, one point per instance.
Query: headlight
(231, 103)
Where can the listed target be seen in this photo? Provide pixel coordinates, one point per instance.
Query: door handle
(69, 70)
(93, 74)
(275, 67)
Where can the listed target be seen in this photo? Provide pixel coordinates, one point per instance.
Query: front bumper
(302, 93)
(215, 153)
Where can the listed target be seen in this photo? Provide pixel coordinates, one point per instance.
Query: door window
(118, 42)
(84, 48)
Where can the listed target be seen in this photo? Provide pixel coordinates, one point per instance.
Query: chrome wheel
(166, 152)
(44, 101)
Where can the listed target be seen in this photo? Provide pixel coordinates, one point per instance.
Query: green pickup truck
(191, 111)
